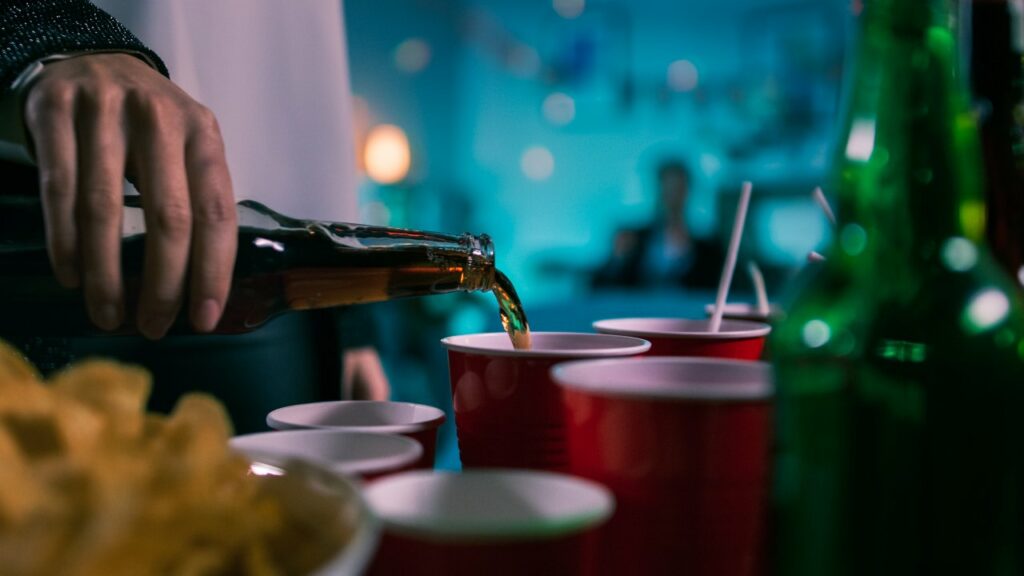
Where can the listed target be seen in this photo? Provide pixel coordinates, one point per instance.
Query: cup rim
(626, 345)
(618, 379)
(283, 418)
(412, 451)
(731, 329)
(384, 498)
(745, 311)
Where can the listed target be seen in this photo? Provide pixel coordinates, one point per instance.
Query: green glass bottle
(900, 365)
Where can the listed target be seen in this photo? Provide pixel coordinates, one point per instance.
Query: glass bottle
(282, 264)
(997, 81)
(900, 366)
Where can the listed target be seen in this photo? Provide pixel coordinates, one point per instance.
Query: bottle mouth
(479, 263)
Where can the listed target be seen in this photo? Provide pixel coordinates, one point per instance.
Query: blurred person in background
(663, 254)
(90, 104)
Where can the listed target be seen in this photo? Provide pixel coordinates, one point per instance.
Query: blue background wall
(475, 109)
(763, 109)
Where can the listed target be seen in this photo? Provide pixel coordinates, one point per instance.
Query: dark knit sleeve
(31, 30)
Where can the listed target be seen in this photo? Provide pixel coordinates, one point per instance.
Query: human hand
(93, 119)
(363, 375)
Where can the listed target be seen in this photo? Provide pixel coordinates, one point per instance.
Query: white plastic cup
(360, 454)
(416, 421)
(496, 522)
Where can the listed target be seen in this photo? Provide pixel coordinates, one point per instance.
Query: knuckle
(153, 109)
(100, 206)
(215, 210)
(205, 121)
(102, 98)
(56, 184)
(50, 97)
(172, 220)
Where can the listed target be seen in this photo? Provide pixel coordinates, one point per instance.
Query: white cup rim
(559, 504)
(305, 445)
(745, 311)
(498, 344)
(298, 416)
(669, 378)
(682, 328)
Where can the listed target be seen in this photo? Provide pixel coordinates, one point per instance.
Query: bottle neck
(907, 164)
(327, 264)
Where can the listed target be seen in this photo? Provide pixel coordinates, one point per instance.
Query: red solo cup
(417, 421)
(683, 443)
(359, 454)
(494, 522)
(737, 339)
(508, 412)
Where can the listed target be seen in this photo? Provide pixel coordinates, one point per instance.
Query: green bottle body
(900, 365)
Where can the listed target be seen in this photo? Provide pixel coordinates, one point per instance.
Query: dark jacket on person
(629, 270)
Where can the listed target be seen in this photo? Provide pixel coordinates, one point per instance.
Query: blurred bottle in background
(900, 367)
(997, 80)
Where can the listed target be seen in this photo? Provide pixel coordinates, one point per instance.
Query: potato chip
(14, 367)
(92, 485)
(20, 494)
(118, 391)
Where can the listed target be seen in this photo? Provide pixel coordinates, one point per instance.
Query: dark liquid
(513, 318)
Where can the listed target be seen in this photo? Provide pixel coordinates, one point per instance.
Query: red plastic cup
(737, 339)
(358, 454)
(508, 412)
(417, 421)
(494, 522)
(683, 443)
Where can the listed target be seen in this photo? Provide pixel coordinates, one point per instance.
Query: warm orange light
(387, 156)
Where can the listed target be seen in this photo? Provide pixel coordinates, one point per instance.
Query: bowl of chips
(92, 484)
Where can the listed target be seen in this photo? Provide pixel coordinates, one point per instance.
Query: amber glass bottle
(282, 264)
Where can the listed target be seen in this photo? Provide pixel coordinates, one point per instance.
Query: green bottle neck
(907, 163)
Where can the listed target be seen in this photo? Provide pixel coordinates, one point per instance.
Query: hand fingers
(100, 204)
(48, 117)
(215, 229)
(160, 169)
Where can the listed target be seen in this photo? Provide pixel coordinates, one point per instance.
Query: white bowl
(358, 552)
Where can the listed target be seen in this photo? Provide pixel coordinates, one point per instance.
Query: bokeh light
(682, 76)
(853, 238)
(559, 108)
(537, 163)
(569, 9)
(862, 140)
(986, 309)
(816, 333)
(412, 56)
(959, 254)
(375, 213)
(387, 156)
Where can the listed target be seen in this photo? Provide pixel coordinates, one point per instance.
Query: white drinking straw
(762, 294)
(730, 257)
(819, 197)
